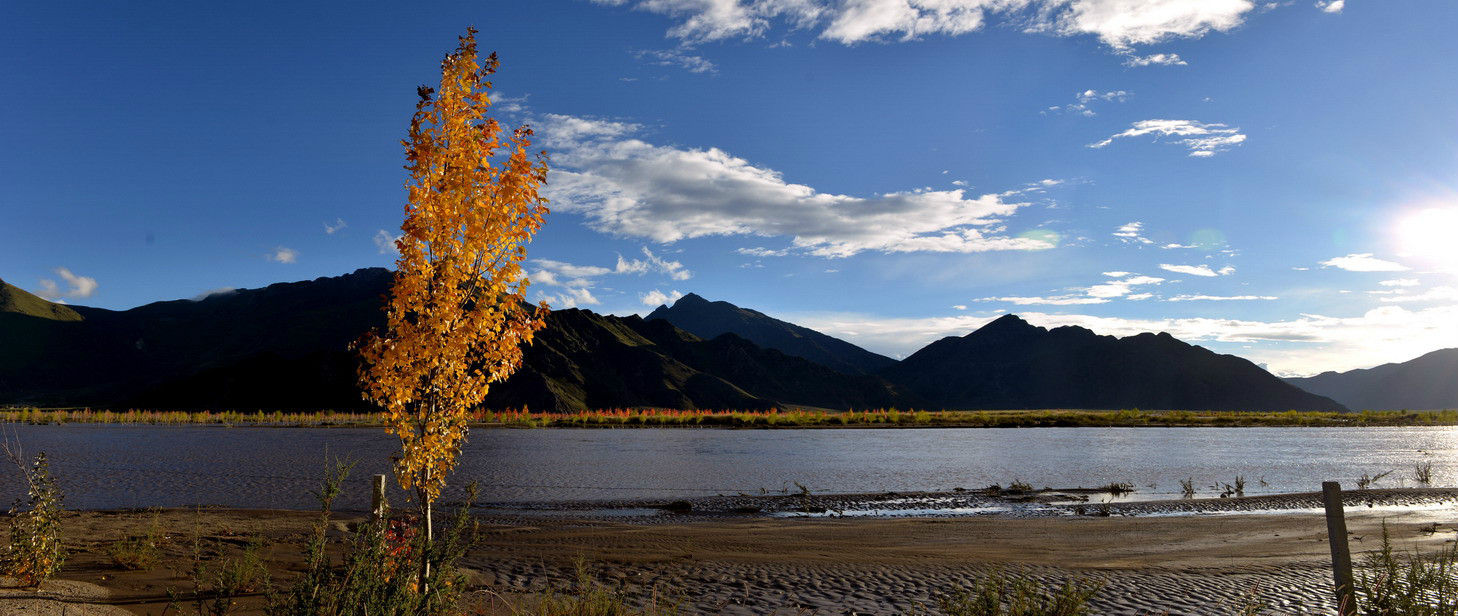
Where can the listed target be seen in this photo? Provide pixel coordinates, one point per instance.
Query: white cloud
(1193, 270)
(1118, 23)
(676, 57)
(1155, 59)
(959, 307)
(656, 298)
(1083, 100)
(1203, 140)
(78, 287)
(1226, 271)
(1132, 233)
(1305, 345)
(1331, 6)
(385, 242)
(1363, 262)
(1400, 282)
(628, 187)
(338, 224)
(1116, 274)
(283, 254)
(1219, 298)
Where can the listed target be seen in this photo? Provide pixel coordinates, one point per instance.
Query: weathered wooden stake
(1341, 553)
(377, 498)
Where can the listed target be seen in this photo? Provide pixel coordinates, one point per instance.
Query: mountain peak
(1008, 324)
(691, 299)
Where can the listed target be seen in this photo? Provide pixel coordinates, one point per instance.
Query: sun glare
(1431, 235)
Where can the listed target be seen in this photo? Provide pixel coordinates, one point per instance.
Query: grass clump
(1422, 472)
(1004, 595)
(139, 552)
(1415, 584)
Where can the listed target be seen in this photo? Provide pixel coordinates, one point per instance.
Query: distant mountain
(284, 347)
(708, 320)
(1428, 382)
(1010, 364)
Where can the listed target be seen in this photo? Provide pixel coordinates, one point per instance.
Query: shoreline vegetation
(773, 418)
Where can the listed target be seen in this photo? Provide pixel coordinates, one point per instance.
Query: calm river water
(139, 466)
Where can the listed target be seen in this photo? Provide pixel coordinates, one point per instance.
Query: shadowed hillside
(1425, 383)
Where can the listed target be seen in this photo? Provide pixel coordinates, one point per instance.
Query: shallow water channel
(100, 466)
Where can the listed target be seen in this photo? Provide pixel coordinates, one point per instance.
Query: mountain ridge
(709, 319)
(1012, 364)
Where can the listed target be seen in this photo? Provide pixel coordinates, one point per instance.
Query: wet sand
(1147, 560)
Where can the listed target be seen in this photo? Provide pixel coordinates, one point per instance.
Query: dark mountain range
(707, 320)
(1426, 383)
(1010, 364)
(284, 347)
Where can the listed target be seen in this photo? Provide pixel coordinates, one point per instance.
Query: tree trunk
(426, 522)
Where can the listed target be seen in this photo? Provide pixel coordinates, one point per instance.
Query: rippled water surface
(140, 466)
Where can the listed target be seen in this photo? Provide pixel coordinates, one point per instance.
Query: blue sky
(1276, 180)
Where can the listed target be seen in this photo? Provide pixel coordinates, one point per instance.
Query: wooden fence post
(1341, 553)
(377, 498)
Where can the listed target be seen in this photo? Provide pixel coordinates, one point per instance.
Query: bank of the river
(772, 418)
(759, 564)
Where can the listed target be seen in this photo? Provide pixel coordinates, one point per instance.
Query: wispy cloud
(1084, 100)
(1155, 59)
(338, 224)
(1202, 140)
(283, 254)
(1219, 298)
(1123, 286)
(1132, 233)
(1400, 282)
(1435, 294)
(77, 287)
(628, 187)
(1117, 23)
(678, 58)
(1197, 270)
(1331, 6)
(1364, 262)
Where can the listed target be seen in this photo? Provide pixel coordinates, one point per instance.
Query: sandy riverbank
(755, 564)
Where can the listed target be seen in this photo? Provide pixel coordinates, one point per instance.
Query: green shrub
(34, 552)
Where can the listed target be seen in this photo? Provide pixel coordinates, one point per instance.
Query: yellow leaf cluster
(457, 316)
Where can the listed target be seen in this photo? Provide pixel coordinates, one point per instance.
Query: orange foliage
(456, 314)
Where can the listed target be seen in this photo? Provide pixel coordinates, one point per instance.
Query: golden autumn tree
(456, 315)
